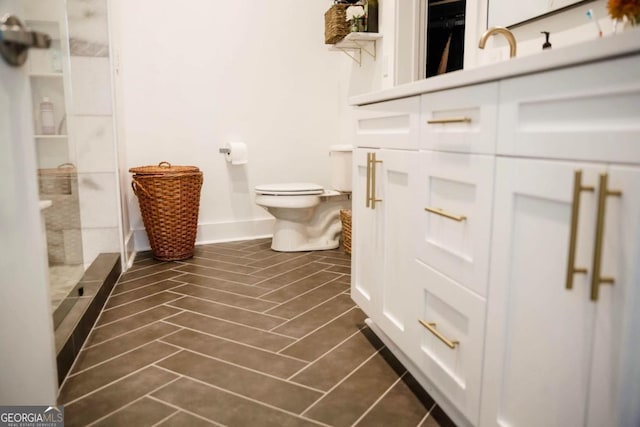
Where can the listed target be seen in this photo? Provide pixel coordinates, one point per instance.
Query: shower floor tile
(240, 335)
(63, 278)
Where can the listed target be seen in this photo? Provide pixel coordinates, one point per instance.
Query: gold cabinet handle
(596, 278)
(368, 201)
(373, 181)
(432, 328)
(573, 235)
(440, 212)
(449, 120)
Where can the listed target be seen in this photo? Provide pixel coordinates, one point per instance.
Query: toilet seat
(290, 189)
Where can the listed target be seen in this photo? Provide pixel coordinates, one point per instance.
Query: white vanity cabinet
(550, 343)
(503, 262)
(564, 287)
(382, 224)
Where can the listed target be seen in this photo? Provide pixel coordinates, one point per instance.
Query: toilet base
(290, 236)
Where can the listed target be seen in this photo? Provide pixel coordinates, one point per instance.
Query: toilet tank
(340, 158)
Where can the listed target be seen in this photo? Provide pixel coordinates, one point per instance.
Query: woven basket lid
(163, 168)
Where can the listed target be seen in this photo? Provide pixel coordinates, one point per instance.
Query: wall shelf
(50, 136)
(53, 75)
(354, 43)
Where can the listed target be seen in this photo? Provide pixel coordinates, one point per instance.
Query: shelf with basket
(351, 27)
(353, 44)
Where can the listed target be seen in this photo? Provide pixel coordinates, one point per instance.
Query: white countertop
(607, 47)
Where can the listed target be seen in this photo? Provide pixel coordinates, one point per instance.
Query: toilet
(307, 216)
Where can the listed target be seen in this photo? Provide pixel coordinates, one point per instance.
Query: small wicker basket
(336, 26)
(345, 217)
(169, 199)
(57, 180)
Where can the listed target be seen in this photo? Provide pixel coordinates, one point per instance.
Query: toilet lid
(290, 189)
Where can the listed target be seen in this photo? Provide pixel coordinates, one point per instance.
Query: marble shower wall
(91, 124)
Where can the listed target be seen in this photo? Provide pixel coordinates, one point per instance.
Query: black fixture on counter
(546, 44)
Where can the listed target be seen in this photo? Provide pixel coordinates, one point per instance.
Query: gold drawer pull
(596, 279)
(573, 236)
(440, 212)
(372, 196)
(449, 120)
(432, 328)
(368, 199)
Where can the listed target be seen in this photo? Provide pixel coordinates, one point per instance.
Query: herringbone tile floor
(240, 335)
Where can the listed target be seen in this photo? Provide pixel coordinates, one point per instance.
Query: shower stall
(77, 158)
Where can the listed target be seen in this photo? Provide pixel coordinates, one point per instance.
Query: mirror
(506, 13)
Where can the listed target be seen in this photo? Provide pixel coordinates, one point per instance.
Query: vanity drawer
(455, 194)
(462, 120)
(389, 124)
(448, 335)
(589, 112)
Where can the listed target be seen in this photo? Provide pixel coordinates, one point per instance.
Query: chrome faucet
(500, 30)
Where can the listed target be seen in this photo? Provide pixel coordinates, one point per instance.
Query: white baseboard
(130, 250)
(217, 232)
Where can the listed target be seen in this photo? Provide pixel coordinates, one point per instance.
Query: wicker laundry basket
(345, 217)
(169, 199)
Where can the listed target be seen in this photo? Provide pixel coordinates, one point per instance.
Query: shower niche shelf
(355, 43)
(46, 75)
(48, 71)
(38, 136)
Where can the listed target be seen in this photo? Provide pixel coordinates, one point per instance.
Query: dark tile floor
(240, 335)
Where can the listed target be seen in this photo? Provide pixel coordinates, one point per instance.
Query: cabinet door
(454, 227)
(397, 207)
(539, 333)
(382, 238)
(615, 376)
(389, 124)
(367, 240)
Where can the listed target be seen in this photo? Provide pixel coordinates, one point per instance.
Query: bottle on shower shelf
(47, 121)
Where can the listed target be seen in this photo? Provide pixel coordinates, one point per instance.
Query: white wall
(193, 75)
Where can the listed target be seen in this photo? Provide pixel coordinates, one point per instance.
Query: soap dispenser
(546, 44)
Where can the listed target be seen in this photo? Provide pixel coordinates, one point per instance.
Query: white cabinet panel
(462, 120)
(367, 241)
(539, 336)
(396, 172)
(391, 124)
(458, 315)
(557, 114)
(382, 236)
(615, 374)
(454, 234)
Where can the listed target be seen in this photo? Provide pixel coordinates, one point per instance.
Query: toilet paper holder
(225, 150)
